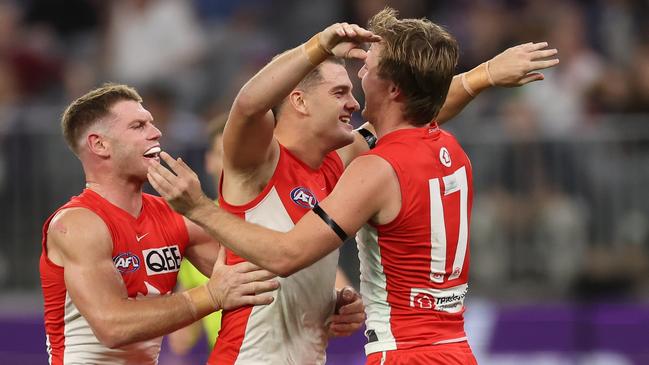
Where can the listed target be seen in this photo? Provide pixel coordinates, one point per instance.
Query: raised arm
(79, 241)
(248, 135)
(514, 67)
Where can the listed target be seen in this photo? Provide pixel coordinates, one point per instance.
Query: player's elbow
(289, 262)
(246, 107)
(109, 333)
(109, 337)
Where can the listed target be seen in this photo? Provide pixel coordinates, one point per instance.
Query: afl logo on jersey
(126, 262)
(303, 197)
(445, 157)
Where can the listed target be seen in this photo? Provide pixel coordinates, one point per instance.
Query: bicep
(248, 140)
(85, 248)
(202, 249)
(359, 195)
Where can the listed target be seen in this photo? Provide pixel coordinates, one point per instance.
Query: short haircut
(87, 110)
(420, 58)
(310, 80)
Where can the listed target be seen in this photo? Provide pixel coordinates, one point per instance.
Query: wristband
(201, 301)
(466, 86)
(368, 136)
(491, 81)
(315, 51)
(477, 79)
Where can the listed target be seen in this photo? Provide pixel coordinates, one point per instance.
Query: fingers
(530, 46)
(162, 171)
(535, 76)
(258, 275)
(346, 31)
(341, 329)
(540, 65)
(258, 287)
(257, 299)
(357, 53)
(220, 258)
(537, 55)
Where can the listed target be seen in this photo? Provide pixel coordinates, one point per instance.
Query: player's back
(414, 279)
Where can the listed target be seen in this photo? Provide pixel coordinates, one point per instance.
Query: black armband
(369, 137)
(330, 222)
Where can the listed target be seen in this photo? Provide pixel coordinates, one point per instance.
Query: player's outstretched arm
(354, 200)
(79, 241)
(516, 66)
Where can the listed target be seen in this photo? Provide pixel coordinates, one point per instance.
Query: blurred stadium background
(560, 231)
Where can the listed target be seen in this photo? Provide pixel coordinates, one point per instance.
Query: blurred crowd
(542, 202)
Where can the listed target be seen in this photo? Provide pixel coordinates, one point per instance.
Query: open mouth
(345, 119)
(153, 152)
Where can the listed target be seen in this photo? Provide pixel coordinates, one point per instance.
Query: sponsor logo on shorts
(126, 262)
(303, 197)
(162, 260)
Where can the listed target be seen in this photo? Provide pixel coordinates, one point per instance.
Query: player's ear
(393, 91)
(97, 144)
(296, 98)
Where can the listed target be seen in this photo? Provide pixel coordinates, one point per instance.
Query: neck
(302, 144)
(390, 120)
(123, 194)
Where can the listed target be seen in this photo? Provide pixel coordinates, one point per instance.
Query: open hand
(179, 186)
(241, 284)
(517, 66)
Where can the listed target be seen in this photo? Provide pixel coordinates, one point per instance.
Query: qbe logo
(126, 262)
(162, 260)
(303, 197)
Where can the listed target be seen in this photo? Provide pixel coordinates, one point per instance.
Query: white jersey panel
(374, 292)
(83, 347)
(290, 330)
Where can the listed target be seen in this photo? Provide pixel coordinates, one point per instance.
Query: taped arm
(516, 66)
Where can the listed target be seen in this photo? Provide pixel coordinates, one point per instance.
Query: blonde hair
(85, 111)
(420, 57)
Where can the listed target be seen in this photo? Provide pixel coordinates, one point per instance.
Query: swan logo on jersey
(162, 260)
(126, 262)
(303, 197)
(445, 157)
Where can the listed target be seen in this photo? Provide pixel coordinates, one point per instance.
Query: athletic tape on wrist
(491, 81)
(368, 136)
(466, 86)
(192, 306)
(330, 222)
(315, 51)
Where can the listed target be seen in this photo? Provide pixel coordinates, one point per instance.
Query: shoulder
(370, 169)
(74, 230)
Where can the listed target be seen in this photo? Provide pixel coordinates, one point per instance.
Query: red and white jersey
(414, 270)
(291, 330)
(147, 251)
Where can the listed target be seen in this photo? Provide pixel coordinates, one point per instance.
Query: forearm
(274, 82)
(461, 92)
(126, 321)
(264, 247)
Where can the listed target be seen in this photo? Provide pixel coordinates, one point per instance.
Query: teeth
(345, 119)
(153, 151)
